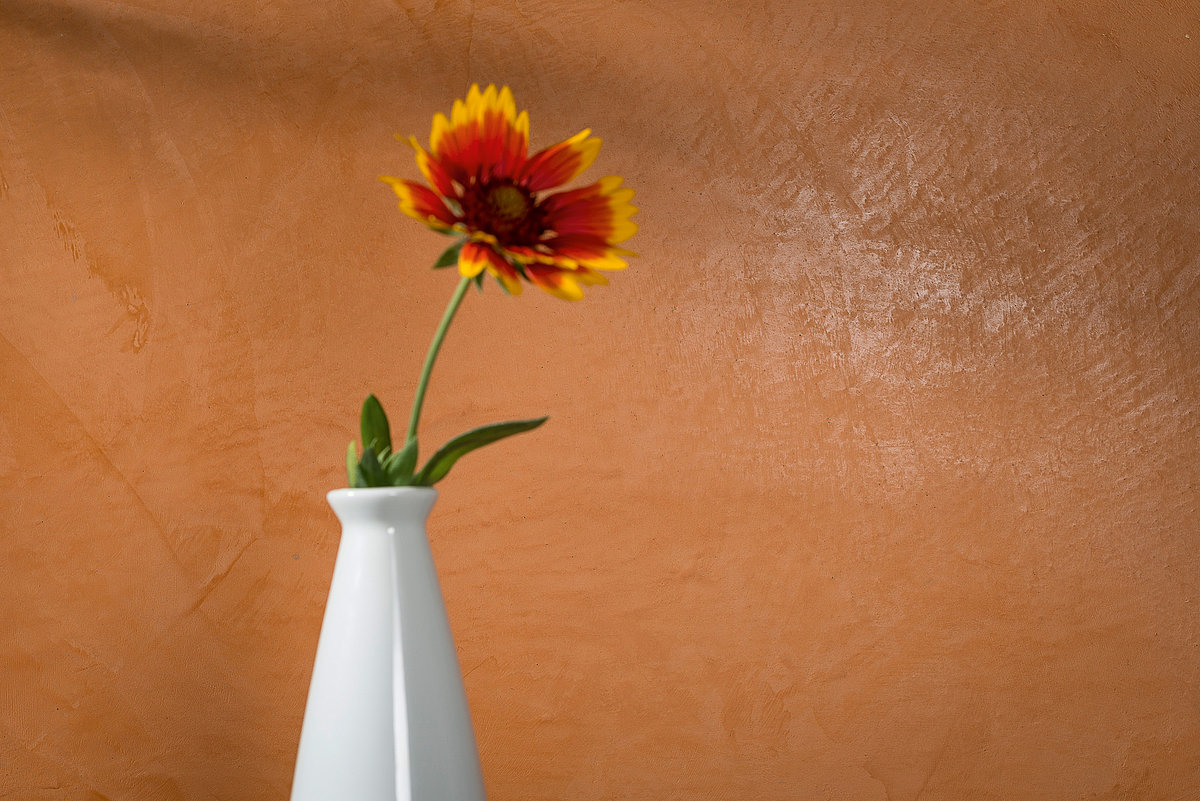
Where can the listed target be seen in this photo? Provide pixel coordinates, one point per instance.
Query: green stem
(434, 347)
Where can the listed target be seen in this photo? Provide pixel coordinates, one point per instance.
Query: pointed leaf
(370, 469)
(400, 465)
(375, 431)
(449, 257)
(441, 462)
(351, 464)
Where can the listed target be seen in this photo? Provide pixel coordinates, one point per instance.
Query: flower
(484, 185)
(486, 189)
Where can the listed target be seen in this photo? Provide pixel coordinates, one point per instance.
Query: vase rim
(381, 503)
(350, 492)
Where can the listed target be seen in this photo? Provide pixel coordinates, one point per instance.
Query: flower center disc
(509, 203)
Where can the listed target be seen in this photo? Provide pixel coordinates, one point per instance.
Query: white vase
(387, 716)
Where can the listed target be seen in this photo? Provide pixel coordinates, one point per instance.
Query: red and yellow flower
(484, 186)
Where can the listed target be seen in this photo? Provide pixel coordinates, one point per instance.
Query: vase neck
(382, 504)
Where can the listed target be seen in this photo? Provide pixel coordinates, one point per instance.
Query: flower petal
(576, 250)
(484, 136)
(433, 170)
(562, 283)
(600, 210)
(473, 258)
(559, 163)
(420, 203)
(525, 254)
(506, 274)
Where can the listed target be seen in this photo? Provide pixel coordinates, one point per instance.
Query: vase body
(387, 717)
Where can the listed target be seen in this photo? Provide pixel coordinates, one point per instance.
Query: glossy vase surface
(387, 716)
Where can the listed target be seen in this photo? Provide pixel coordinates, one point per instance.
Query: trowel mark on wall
(137, 312)
(133, 304)
(69, 237)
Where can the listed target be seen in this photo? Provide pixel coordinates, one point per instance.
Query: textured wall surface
(874, 478)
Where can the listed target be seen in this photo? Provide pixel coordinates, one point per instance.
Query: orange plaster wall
(875, 478)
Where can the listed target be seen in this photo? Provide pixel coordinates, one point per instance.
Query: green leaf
(351, 464)
(399, 466)
(441, 462)
(370, 470)
(449, 258)
(375, 431)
